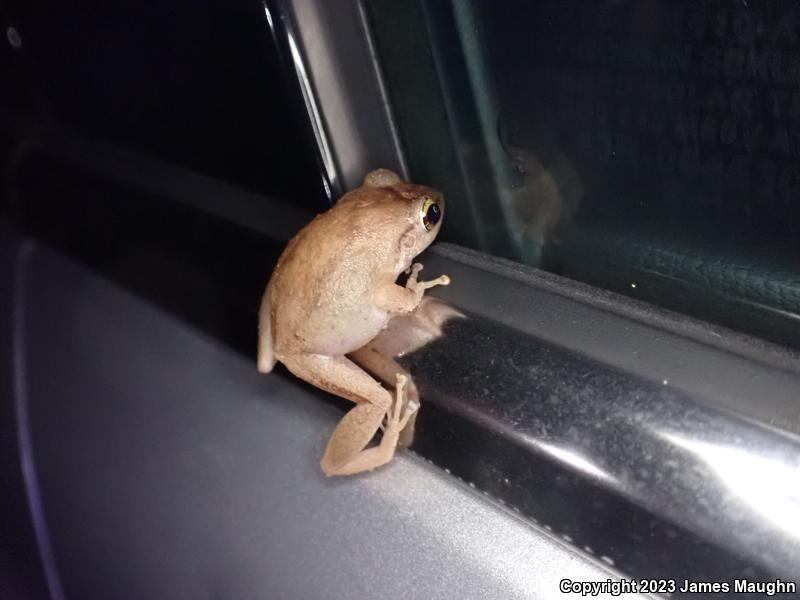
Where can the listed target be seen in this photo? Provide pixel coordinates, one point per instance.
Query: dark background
(194, 83)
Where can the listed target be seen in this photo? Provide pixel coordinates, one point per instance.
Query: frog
(333, 290)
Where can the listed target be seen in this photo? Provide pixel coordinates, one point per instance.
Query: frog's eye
(430, 213)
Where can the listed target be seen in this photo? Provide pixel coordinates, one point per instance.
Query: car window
(645, 147)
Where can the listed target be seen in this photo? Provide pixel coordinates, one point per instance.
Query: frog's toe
(441, 280)
(411, 410)
(413, 272)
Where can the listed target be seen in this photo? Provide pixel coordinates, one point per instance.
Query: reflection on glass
(546, 191)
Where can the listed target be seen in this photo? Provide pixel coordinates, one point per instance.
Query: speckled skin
(332, 291)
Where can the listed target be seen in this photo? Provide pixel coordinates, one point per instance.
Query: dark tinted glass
(196, 83)
(645, 146)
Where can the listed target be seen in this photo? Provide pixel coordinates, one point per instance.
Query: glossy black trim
(665, 445)
(725, 369)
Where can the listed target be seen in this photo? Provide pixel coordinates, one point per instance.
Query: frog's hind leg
(346, 452)
(373, 359)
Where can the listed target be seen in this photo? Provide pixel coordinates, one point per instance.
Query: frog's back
(320, 293)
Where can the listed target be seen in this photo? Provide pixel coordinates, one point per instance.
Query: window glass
(645, 146)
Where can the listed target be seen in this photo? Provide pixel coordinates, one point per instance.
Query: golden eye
(430, 213)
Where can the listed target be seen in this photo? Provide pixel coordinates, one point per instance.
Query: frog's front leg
(397, 299)
(413, 283)
(346, 452)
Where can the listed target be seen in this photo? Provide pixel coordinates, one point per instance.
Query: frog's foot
(347, 452)
(413, 273)
(421, 286)
(441, 280)
(407, 435)
(402, 409)
(411, 406)
(403, 412)
(413, 283)
(397, 417)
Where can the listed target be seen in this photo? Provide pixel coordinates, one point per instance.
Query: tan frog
(334, 290)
